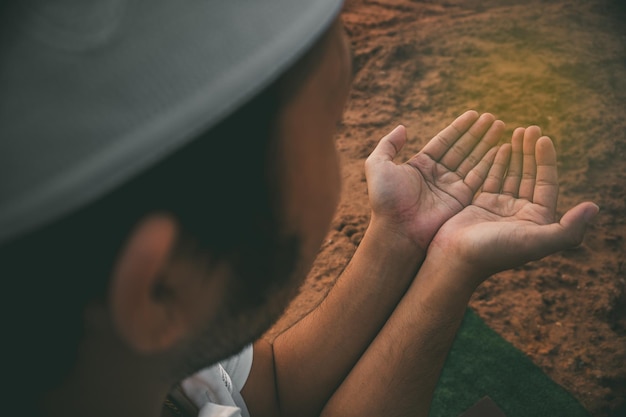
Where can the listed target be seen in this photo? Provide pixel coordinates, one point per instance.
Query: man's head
(188, 261)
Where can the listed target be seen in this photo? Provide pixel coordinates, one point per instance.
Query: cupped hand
(414, 199)
(513, 219)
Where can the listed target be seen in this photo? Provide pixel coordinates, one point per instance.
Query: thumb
(574, 222)
(568, 233)
(389, 146)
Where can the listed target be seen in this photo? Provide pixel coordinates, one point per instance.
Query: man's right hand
(415, 198)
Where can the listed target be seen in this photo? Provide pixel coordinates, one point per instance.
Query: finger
(495, 177)
(514, 173)
(389, 146)
(575, 221)
(488, 141)
(568, 233)
(476, 177)
(529, 164)
(466, 143)
(546, 184)
(440, 144)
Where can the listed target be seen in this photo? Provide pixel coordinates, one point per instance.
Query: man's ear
(144, 319)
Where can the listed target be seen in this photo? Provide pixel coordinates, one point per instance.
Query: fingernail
(590, 213)
(398, 128)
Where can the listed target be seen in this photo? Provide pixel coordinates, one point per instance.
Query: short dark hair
(222, 190)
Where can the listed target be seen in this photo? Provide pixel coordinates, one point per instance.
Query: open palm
(415, 198)
(513, 219)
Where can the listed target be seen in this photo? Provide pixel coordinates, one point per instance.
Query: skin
(515, 207)
(394, 311)
(384, 321)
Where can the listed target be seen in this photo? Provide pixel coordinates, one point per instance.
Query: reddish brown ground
(558, 64)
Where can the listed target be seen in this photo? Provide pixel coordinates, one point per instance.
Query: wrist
(392, 235)
(455, 274)
(389, 253)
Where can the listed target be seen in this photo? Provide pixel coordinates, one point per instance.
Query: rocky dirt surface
(557, 64)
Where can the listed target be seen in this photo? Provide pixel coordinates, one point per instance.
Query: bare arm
(511, 222)
(398, 373)
(409, 203)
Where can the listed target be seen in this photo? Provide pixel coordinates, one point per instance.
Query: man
(141, 258)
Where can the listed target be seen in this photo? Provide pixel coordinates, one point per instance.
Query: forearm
(314, 356)
(398, 373)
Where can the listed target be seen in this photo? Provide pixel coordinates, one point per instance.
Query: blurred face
(309, 172)
(307, 130)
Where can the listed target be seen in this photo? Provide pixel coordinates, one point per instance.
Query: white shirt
(216, 390)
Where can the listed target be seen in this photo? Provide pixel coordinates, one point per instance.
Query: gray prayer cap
(94, 91)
